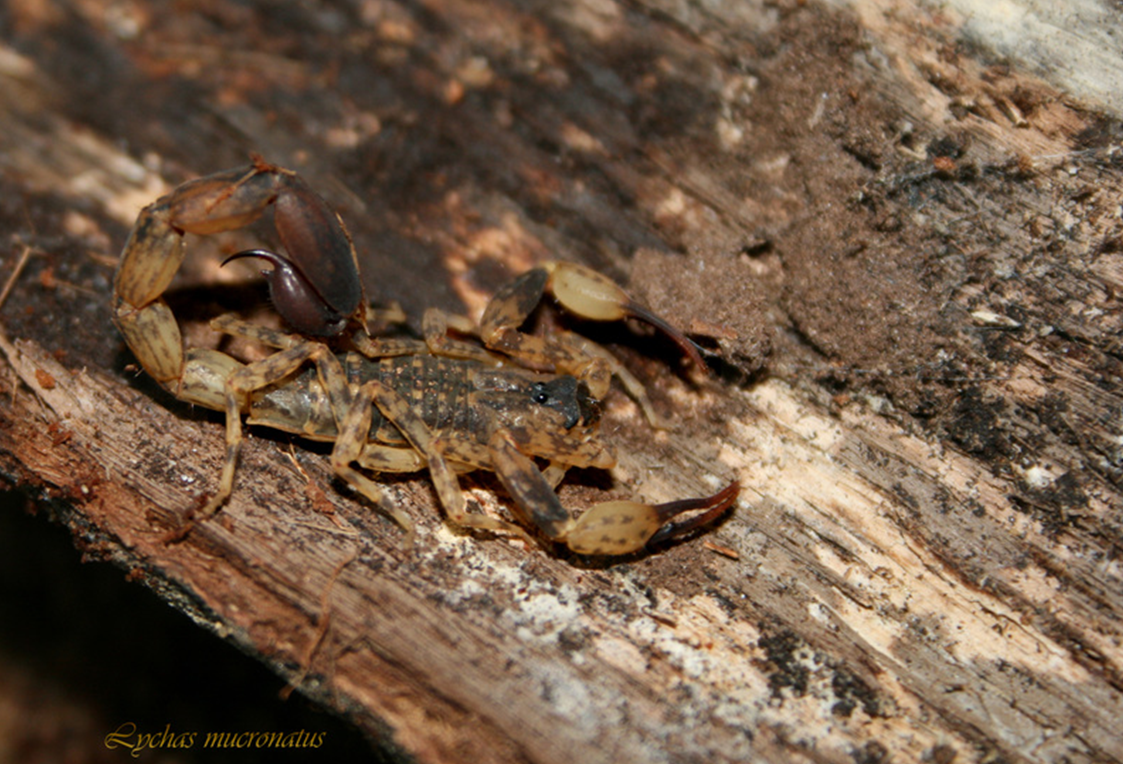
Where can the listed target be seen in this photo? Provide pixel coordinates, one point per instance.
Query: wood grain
(923, 564)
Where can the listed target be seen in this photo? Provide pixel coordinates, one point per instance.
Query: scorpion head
(522, 399)
(570, 397)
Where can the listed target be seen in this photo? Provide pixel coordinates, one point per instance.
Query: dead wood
(923, 563)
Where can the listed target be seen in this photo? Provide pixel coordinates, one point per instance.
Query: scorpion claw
(688, 346)
(294, 296)
(624, 527)
(592, 295)
(714, 507)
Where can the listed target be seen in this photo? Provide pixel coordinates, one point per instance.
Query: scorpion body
(449, 395)
(499, 402)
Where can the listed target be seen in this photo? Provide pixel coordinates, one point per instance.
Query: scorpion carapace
(500, 400)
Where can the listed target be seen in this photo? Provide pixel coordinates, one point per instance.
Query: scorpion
(493, 398)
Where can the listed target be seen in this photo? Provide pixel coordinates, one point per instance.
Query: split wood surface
(923, 565)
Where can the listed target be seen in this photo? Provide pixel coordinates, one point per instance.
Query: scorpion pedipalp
(582, 292)
(608, 528)
(593, 295)
(624, 527)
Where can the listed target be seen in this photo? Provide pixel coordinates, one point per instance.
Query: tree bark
(922, 565)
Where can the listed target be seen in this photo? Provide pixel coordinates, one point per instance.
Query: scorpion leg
(241, 383)
(230, 324)
(332, 376)
(608, 528)
(554, 474)
(382, 458)
(349, 416)
(435, 326)
(349, 448)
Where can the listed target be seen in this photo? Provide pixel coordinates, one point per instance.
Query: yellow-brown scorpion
(497, 401)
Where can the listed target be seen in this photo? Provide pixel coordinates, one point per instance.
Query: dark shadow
(83, 652)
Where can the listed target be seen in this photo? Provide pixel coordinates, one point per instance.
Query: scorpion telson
(501, 400)
(295, 297)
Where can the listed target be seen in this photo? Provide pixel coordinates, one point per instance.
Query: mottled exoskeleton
(396, 405)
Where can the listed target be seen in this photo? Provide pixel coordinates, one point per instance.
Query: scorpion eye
(541, 397)
(561, 395)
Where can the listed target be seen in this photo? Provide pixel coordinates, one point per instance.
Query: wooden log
(922, 566)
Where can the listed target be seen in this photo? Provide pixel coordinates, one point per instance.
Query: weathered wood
(923, 563)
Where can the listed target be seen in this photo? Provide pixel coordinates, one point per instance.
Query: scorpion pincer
(498, 401)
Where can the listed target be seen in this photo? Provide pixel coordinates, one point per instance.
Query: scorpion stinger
(295, 297)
